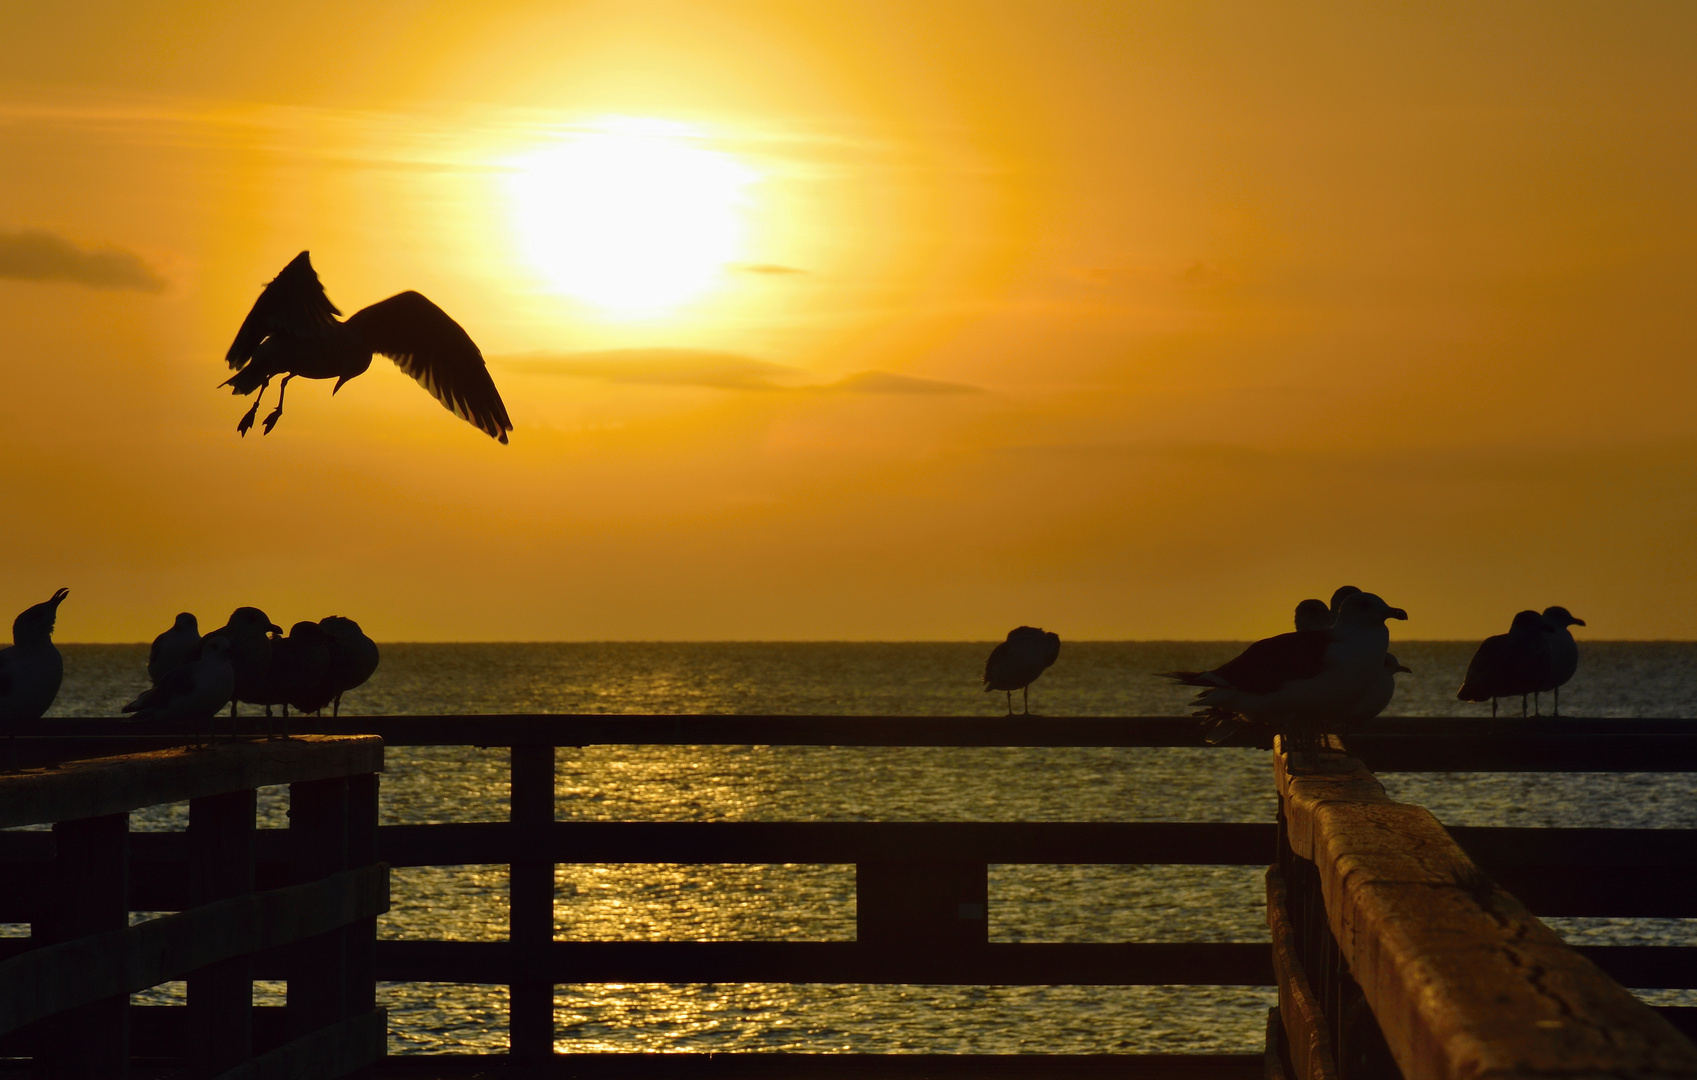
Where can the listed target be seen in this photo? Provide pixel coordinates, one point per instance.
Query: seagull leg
(1537, 703)
(1025, 693)
(247, 418)
(1555, 710)
(1010, 702)
(336, 709)
(1493, 708)
(1523, 706)
(277, 413)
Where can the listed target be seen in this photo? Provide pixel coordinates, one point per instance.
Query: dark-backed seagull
(194, 691)
(1016, 662)
(1517, 662)
(1564, 651)
(174, 648)
(298, 664)
(1303, 683)
(353, 660)
(1313, 615)
(1342, 593)
(250, 651)
(292, 330)
(1379, 694)
(31, 669)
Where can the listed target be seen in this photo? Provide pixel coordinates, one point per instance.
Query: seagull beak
(1404, 668)
(274, 628)
(1397, 613)
(1577, 621)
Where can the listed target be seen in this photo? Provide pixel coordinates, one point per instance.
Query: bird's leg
(1010, 702)
(271, 420)
(1523, 706)
(1555, 710)
(1493, 708)
(247, 418)
(285, 719)
(336, 709)
(1537, 703)
(1025, 693)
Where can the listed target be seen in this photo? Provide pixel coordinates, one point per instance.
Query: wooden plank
(1190, 843)
(57, 977)
(1462, 979)
(1657, 753)
(91, 1040)
(783, 1066)
(530, 910)
(324, 1054)
(996, 964)
(221, 836)
(922, 906)
(91, 788)
(318, 848)
(1307, 1036)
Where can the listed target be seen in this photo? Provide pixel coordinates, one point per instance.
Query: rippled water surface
(813, 903)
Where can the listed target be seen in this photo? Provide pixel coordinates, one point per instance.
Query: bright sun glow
(634, 216)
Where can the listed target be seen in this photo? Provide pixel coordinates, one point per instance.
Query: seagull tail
(245, 381)
(1189, 678)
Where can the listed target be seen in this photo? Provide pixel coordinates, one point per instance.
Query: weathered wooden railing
(1399, 956)
(922, 887)
(64, 990)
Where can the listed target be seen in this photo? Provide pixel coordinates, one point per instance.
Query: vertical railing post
(530, 912)
(318, 847)
(361, 991)
(91, 896)
(221, 839)
(918, 907)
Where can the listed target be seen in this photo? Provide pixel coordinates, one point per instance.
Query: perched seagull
(1301, 683)
(353, 659)
(292, 330)
(250, 652)
(195, 691)
(1016, 662)
(31, 670)
(1517, 662)
(1564, 651)
(174, 648)
(298, 663)
(1379, 694)
(1313, 615)
(1343, 593)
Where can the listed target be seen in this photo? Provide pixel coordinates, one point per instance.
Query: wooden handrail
(1462, 979)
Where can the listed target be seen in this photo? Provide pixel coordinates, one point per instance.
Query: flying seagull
(31, 669)
(293, 330)
(1517, 662)
(1564, 651)
(1016, 662)
(1302, 683)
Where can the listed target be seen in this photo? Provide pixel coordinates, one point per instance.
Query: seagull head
(1526, 622)
(1366, 609)
(1559, 618)
(35, 623)
(308, 632)
(1344, 593)
(1313, 615)
(254, 620)
(186, 621)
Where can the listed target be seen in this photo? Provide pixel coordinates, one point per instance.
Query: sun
(634, 216)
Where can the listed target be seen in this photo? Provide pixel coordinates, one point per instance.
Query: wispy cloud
(886, 382)
(37, 255)
(657, 367)
(714, 370)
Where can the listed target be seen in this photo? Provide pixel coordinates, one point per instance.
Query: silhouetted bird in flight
(1305, 682)
(174, 648)
(31, 669)
(1564, 651)
(353, 660)
(1016, 662)
(1517, 662)
(194, 691)
(292, 330)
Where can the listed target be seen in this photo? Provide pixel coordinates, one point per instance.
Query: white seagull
(1303, 683)
(174, 648)
(1379, 694)
(1564, 651)
(1016, 662)
(31, 670)
(293, 330)
(195, 691)
(1504, 665)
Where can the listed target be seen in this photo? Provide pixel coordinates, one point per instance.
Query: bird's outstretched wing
(293, 303)
(434, 349)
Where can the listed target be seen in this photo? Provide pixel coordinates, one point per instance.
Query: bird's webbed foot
(271, 420)
(246, 421)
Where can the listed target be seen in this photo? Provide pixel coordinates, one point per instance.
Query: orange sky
(1126, 320)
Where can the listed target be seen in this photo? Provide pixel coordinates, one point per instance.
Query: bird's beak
(274, 628)
(1397, 613)
(60, 594)
(1404, 668)
(1578, 621)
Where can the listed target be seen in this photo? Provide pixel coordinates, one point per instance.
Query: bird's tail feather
(245, 381)
(1189, 678)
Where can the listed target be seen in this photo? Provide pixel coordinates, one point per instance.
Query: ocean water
(810, 903)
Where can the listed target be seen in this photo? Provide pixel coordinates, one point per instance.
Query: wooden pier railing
(922, 887)
(65, 990)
